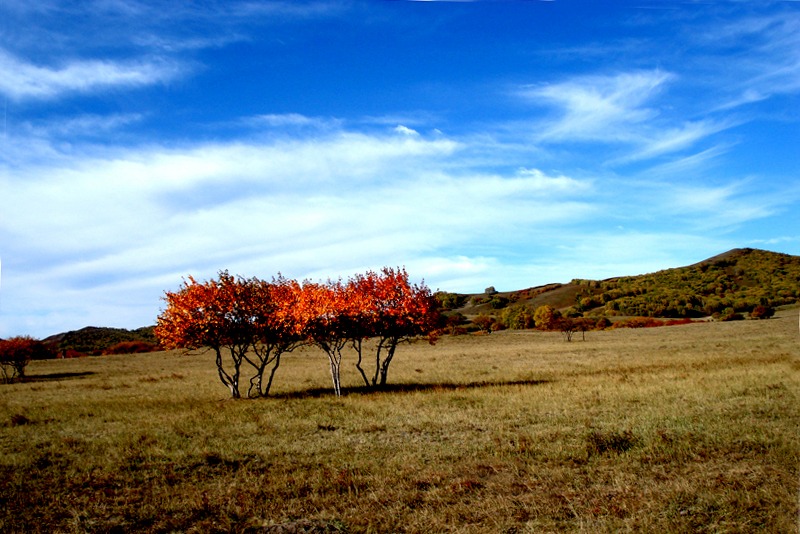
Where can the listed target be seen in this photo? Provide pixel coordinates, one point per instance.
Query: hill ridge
(728, 283)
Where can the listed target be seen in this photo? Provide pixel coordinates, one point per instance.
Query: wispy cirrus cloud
(76, 126)
(654, 142)
(768, 61)
(704, 205)
(598, 108)
(626, 109)
(21, 80)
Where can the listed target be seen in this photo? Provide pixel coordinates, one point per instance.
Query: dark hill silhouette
(93, 340)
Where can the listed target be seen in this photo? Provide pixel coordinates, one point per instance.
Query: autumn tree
(518, 317)
(545, 317)
(17, 352)
(566, 325)
(277, 328)
(323, 311)
(484, 323)
(218, 314)
(384, 306)
(400, 311)
(249, 321)
(454, 323)
(582, 324)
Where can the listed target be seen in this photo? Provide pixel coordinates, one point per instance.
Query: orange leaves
(368, 305)
(269, 318)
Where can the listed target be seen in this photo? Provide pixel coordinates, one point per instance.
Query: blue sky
(492, 143)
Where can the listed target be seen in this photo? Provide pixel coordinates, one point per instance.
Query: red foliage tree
(324, 314)
(17, 352)
(217, 314)
(398, 311)
(278, 328)
(255, 322)
(384, 306)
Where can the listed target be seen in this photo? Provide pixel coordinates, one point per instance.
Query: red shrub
(637, 322)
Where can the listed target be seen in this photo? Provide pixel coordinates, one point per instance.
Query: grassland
(679, 429)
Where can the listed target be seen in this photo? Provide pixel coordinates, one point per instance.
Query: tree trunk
(378, 362)
(387, 361)
(272, 374)
(335, 375)
(357, 348)
(229, 381)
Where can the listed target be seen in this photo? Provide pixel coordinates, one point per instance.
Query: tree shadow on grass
(404, 388)
(52, 377)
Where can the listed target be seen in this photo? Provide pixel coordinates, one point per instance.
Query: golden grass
(678, 429)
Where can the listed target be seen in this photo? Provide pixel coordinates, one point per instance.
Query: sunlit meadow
(678, 429)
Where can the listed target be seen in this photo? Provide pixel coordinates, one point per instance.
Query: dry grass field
(678, 429)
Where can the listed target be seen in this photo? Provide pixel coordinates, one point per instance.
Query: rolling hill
(733, 282)
(722, 286)
(93, 340)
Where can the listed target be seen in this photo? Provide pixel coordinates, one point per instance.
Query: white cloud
(290, 120)
(659, 142)
(21, 80)
(768, 65)
(404, 130)
(80, 125)
(599, 107)
(124, 219)
(693, 163)
(721, 206)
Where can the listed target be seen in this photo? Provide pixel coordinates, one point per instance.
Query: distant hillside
(729, 283)
(733, 282)
(94, 340)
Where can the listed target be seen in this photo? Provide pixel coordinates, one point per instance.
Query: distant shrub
(450, 301)
(602, 323)
(484, 323)
(497, 326)
(497, 302)
(678, 322)
(762, 312)
(454, 324)
(730, 314)
(649, 322)
(17, 352)
(131, 347)
(638, 322)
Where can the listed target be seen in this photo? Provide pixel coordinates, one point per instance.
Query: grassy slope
(690, 428)
(739, 277)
